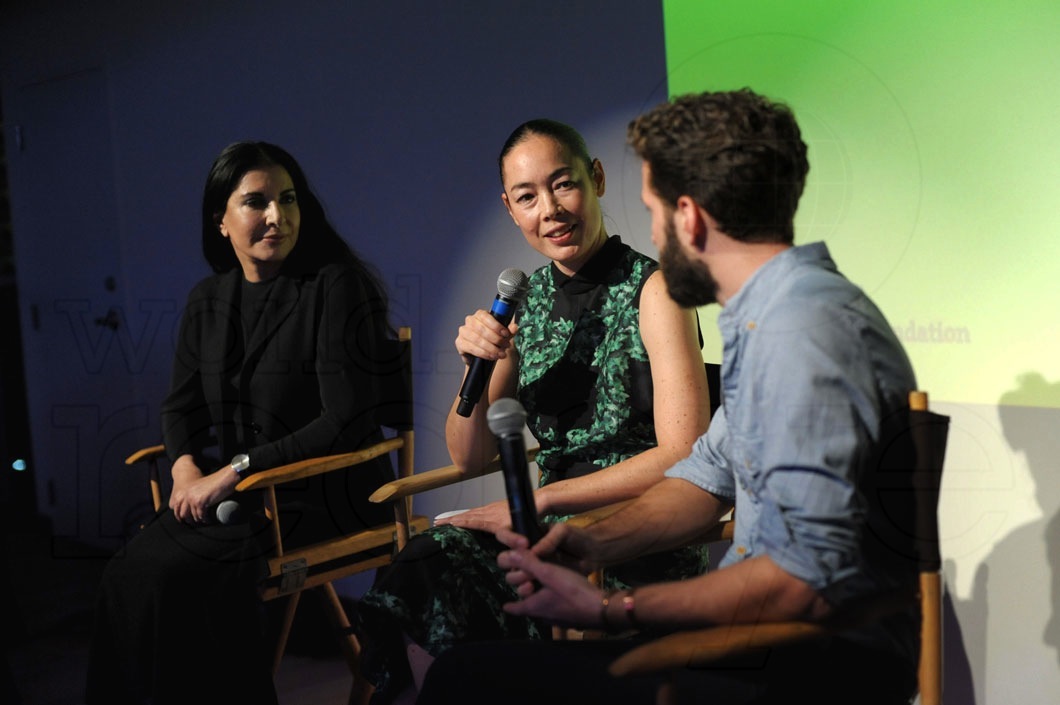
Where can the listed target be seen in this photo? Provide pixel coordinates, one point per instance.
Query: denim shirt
(810, 368)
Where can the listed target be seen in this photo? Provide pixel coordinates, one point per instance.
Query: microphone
(228, 512)
(506, 418)
(511, 290)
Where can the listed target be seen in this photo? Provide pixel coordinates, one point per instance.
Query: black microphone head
(506, 417)
(512, 284)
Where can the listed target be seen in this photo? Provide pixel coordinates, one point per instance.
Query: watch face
(240, 463)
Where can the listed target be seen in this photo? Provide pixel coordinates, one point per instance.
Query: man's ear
(691, 224)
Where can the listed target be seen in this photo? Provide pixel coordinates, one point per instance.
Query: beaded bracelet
(629, 604)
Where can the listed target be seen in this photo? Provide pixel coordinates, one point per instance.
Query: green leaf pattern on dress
(607, 339)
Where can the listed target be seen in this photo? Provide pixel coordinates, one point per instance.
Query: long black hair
(318, 242)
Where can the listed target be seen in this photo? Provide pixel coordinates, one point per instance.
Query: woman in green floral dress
(610, 372)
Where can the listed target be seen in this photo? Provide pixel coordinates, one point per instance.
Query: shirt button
(751, 325)
(741, 550)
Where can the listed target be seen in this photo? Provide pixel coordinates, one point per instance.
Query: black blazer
(302, 383)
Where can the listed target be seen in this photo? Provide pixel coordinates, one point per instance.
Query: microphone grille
(229, 512)
(512, 284)
(506, 417)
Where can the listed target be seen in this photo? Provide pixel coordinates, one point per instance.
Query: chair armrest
(146, 454)
(435, 478)
(700, 647)
(316, 466)
(150, 455)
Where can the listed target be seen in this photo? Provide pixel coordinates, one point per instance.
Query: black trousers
(178, 619)
(831, 672)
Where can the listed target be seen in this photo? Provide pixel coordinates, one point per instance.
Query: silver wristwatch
(240, 464)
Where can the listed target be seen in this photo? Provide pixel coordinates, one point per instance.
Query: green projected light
(934, 146)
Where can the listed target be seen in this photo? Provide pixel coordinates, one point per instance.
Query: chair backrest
(393, 376)
(905, 490)
(904, 487)
(930, 433)
(713, 385)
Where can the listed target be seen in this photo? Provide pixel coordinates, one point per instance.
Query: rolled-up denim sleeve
(815, 537)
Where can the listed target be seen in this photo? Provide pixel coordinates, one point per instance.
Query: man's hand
(549, 591)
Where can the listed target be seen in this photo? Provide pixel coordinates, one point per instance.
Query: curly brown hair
(739, 155)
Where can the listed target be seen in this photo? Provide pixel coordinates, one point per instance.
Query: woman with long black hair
(276, 362)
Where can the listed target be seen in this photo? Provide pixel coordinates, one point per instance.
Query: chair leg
(930, 670)
(285, 631)
(350, 645)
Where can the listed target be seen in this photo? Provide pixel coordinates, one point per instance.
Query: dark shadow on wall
(1006, 593)
(1033, 432)
(1052, 554)
(958, 685)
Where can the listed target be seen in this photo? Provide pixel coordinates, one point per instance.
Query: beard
(689, 282)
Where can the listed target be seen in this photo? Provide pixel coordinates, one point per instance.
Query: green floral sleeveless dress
(585, 382)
